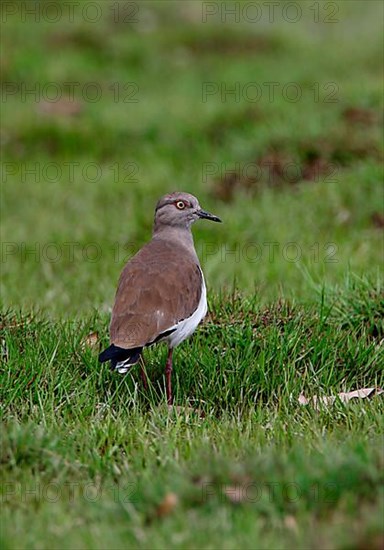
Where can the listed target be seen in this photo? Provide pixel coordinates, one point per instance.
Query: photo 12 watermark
(70, 91)
(272, 11)
(69, 172)
(270, 491)
(31, 11)
(268, 170)
(67, 491)
(269, 92)
(269, 252)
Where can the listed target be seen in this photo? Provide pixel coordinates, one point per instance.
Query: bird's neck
(181, 235)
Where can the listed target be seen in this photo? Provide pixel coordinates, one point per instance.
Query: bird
(161, 294)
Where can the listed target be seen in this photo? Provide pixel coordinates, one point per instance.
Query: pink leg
(168, 374)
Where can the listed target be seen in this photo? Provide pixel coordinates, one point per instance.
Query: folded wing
(158, 288)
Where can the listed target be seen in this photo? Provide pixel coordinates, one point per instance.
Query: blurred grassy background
(101, 165)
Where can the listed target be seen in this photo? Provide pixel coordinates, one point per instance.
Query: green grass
(106, 452)
(88, 458)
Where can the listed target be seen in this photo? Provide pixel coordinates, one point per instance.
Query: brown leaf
(303, 400)
(358, 115)
(91, 341)
(378, 220)
(167, 505)
(344, 397)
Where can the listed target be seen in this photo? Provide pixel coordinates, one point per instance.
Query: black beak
(207, 216)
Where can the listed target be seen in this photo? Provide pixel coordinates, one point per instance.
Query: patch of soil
(79, 39)
(359, 115)
(377, 219)
(285, 163)
(215, 41)
(228, 44)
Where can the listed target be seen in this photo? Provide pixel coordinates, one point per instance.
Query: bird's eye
(180, 205)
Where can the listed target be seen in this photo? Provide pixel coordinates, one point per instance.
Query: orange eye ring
(180, 205)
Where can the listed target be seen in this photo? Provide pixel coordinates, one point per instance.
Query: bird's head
(180, 210)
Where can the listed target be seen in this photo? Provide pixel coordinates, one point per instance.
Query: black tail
(121, 359)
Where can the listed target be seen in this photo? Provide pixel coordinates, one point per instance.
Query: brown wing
(159, 287)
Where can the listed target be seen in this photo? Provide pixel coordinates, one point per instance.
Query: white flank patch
(121, 370)
(123, 367)
(186, 327)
